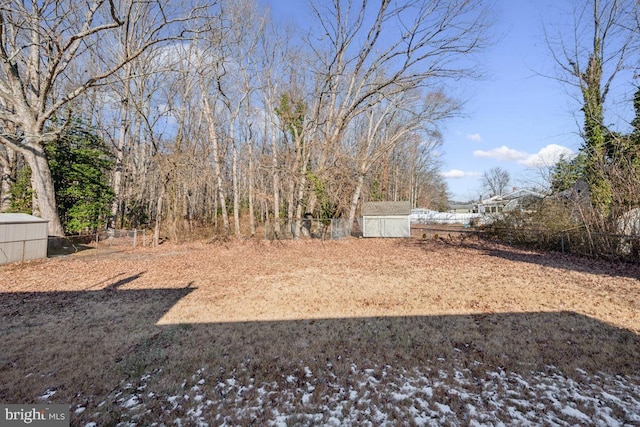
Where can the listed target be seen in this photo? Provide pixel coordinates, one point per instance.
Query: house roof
(511, 196)
(579, 191)
(386, 208)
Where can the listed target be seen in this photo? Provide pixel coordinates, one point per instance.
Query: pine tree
(80, 162)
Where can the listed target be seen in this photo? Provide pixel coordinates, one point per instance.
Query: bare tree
(45, 48)
(383, 127)
(496, 181)
(8, 160)
(605, 35)
(243, 25)
(374, 53)
(300, 128)
(416, 168)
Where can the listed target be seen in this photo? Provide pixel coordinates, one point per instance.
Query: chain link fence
(309, 228)
(313, 228)
(114, 238)
(579, 240)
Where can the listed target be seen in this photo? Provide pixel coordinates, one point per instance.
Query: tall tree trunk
(7, 178)
(119, 166)
(43, 187)
(594, 129)
(213, 135)
(291, 203)
(122, 139)
(275, 178)
(302, 184)
(219, 187)
(234, 179)
(355, 198)
(303, 155)
(252, 218)
(156, 231)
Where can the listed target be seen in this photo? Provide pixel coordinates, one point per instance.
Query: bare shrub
(566, 225)
(540, 228)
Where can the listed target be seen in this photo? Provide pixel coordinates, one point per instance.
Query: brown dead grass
(84, 325)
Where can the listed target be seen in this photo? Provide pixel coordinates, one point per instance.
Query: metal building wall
(22, 237)
(386, 226)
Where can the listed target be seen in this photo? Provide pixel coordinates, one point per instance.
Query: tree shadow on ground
(60, 246)
(569, 262)
(84, 345)
(557, 260)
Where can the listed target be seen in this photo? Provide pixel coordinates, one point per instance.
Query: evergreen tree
(80, 162)
(566, 173)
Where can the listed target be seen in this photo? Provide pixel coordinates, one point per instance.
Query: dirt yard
(352, 332)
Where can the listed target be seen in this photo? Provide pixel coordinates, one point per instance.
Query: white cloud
(457, 173)
(475, 137)
(545, 157)
(548, 156)
(502, 153)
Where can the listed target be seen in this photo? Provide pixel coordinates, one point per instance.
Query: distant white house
(469, 207)
(427, 216)
(519, 200)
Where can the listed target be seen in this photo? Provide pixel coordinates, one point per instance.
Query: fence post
(135, 237)
(562, 240)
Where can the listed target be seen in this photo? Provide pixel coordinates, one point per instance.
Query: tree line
(175, 115)
(119, 113)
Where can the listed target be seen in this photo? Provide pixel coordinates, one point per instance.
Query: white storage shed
(386, 219)
(22, 237)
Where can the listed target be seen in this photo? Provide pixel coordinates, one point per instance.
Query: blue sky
(515, 118)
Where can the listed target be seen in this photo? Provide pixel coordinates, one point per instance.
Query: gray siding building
(22, 237)
(386, 219)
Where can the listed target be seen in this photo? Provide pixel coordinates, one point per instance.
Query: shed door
(386, 227)
(396, 227)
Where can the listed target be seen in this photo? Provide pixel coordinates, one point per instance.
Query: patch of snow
(399, 396)
(47, 394)
(379, 396)
(132, 402)
(444, 409)
(573, 412)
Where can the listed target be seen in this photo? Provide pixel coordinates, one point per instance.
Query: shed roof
(19, 218)
(386, 208)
